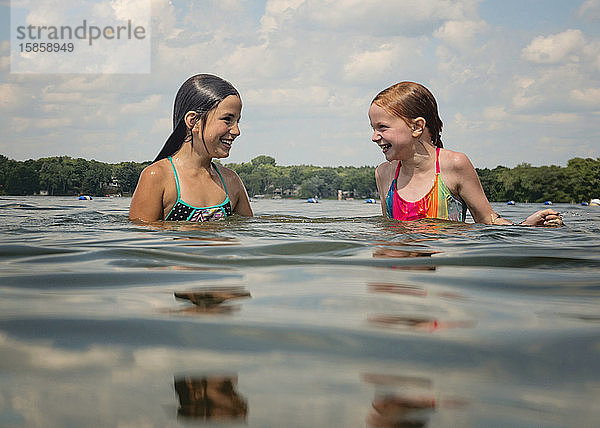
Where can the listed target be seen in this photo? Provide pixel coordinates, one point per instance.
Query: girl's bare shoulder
(386, 169)
(454, 162)
(232, 180)
(227, 173)
(157, 171)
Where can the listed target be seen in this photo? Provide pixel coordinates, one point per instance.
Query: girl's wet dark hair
(200, 93)
(409, 100)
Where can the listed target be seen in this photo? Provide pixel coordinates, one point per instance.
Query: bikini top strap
(222, 181)
(176, 178)
(437, 160)
(398, 170)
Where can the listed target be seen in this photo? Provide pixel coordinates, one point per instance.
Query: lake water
(308, 315)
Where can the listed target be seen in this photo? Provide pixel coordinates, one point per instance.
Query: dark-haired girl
(420, 178)
(184, 183)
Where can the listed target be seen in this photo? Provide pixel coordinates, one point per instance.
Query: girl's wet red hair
(409, 100)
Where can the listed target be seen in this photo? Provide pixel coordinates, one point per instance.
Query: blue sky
(516, 81)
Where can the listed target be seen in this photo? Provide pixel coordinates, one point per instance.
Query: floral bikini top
(437, 203)
(186, 212)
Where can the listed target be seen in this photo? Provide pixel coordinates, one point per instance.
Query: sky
(515, 81)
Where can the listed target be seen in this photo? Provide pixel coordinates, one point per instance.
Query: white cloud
(164, 21)
(147, 105)
(553, 49)
(566, 88)
(590, 10)
(138, 11)
(277, 12)
(10, 97)
(19, 124)
(377, 63)
(81, 83)
(256, 60)
(289, 97)
(49, 123)
(51, 96)
(101, 55)
(464, 123)
(162, 126)
(461, 35)
(409, 17)
(457, 71)
(4, 59)
(586, 96)
(525, 97)
(496, 115)
(47, 12)
(559, 118)
(315, 66)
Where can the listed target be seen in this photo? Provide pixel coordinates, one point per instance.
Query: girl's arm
(240, 202)
(147, 201)
(383, 178)
(470, 191)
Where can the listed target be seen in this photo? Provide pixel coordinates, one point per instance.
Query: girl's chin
(221, 154)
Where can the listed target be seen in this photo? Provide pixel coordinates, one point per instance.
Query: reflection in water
(409, 290)
(397, 254)
(212, 300)
(203, 241)
(407, 242)
(390, 253)
(400, 401)
(412, 322)
(418, 323)
(398, 411)
(210, 398)
(184, 226)
(89, 330)
(434, 227)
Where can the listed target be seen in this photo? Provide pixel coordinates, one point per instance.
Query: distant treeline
(578, 181)
(262, 176)
(67, 176)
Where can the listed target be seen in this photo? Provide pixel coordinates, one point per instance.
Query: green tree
(96, 178)
(5, 165)
(492, 184)
(56, 175)
(313, 186)
(79, 169)
(23, 178)
(359, 181)
(263, 160)
(578, 181)
(583, 178)
(128, 174)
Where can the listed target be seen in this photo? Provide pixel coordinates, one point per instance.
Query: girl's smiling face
(221, 126)
(391, 133)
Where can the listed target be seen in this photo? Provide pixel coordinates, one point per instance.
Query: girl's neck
(422, 159)
(196, 159)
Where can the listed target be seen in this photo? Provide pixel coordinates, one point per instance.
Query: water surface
(306, 315)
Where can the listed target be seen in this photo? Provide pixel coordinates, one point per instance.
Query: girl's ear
(418, 126)
(191, 118)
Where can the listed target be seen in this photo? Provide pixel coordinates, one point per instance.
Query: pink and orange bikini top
(437, 203)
